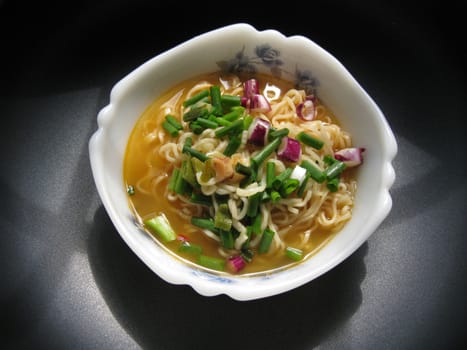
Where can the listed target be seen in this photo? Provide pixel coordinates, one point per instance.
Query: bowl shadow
(157, 314)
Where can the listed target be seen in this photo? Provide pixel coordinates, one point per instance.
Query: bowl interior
(244, 48)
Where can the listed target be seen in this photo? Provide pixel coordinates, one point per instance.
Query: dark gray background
(69, 281)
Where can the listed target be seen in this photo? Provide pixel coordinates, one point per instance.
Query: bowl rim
(207, 283)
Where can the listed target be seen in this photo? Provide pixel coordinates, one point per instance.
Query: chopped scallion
(208, 171)
(196, 127)
(232, 146)
(229, 101)
(249, 178)
(173, 179)
(266, 196)
(247, 254)
(233, 115)
(204, 223)
(278, 133)
(328, 159)
(253, 204)
(190, 248)
(207, 123)
(294, 253)
(249, 230)
(247, 120)
(231, 129)
(275, 196)
(256, 227)
(195, 98)
(314, 172)
(160, 225)
(277, 183)
(223, 122)
(215, 92)
(266, 241)
(270, 174)
(188, 173)
(261, 156)
(195, 113)
(195, 153)
(181, 185)
(333, 184)
(199, 198)
(211, 262)
(222, 218)
(335, 169)
(188, 142)
(172, 130)
(174, 121)
(227, 240)
(288, 187)
(309, 140)
(243, 169)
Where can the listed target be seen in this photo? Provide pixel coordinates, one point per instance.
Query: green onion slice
(161, 226)
(294, 253)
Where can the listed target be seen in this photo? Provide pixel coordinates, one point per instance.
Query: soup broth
(304, 222)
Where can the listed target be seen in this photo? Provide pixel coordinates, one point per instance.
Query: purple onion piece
(235, 263)
(258, 132)
(306, 110)
(289, 150)
(259, 103)
(350, 156)
(250, 87)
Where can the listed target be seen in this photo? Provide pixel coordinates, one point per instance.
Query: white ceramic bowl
(301, 58)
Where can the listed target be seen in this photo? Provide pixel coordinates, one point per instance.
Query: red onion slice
(306, 110)
(289, 149)
(250, 87)
(259, 103)
(252, 99)
(350, 156)
(258, 132)
(235, 263)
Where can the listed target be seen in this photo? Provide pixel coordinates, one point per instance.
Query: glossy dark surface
(69, 281)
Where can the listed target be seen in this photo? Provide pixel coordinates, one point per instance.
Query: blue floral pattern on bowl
(269, 57)
(212, 277)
